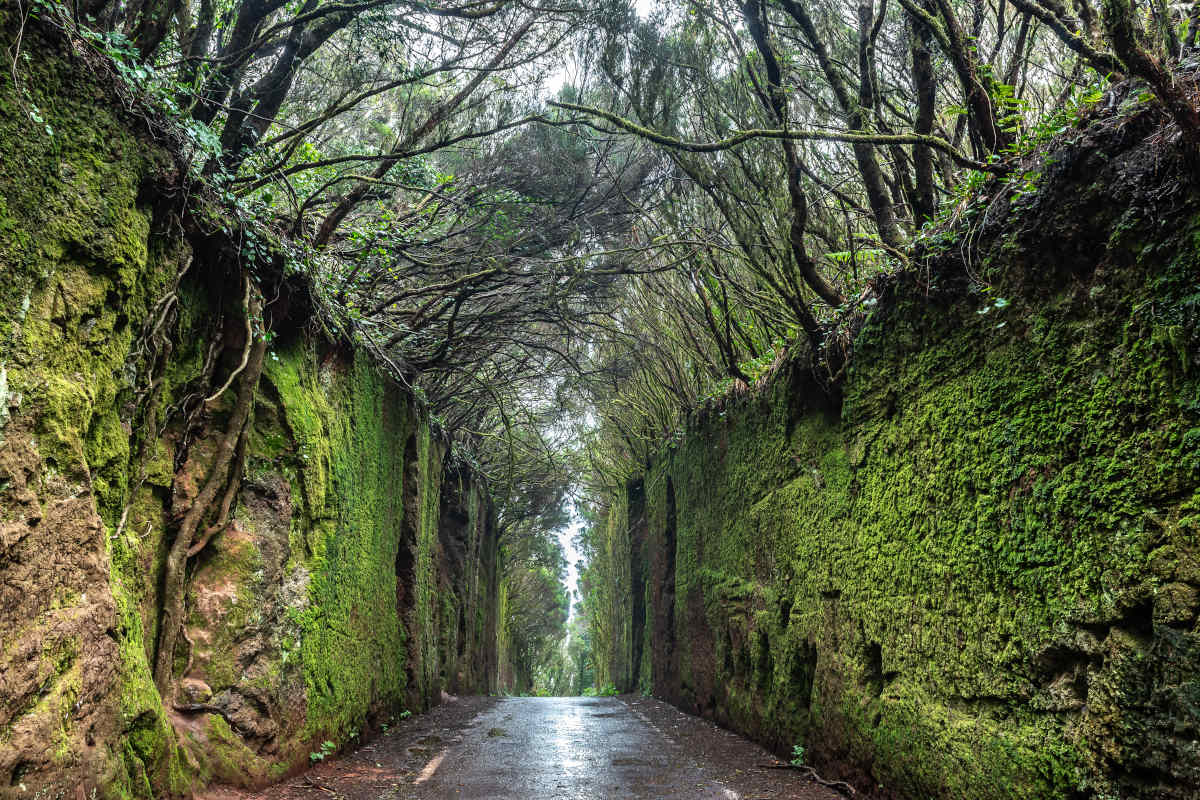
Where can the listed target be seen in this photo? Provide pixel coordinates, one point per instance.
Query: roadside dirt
(382, 767)
(750, 770)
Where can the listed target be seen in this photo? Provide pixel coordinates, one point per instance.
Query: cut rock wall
(357, 577)
(975, 573)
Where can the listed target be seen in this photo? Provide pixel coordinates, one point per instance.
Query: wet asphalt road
(588, 748)
(578, 747)
(522, 748)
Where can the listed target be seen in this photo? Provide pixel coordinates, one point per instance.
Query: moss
(347, 427)
(79, 280)
(308, 413)
(334, 431)
(970, 582)
(424, 651)
(232, 570)
(231, 760)
(152, 761)
(614, 642)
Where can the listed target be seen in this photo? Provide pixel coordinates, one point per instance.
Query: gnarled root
(224, 473)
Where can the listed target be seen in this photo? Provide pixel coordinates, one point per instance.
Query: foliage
(327, 748)
(518, 267)
(535, 607)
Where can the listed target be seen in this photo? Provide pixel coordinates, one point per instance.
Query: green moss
(152, 760)
(346, 427)
(233, 568)
(79, 280)
(424, 651)
(969, 583)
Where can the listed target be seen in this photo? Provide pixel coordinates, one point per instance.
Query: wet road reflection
(557, 747)
(580, 747)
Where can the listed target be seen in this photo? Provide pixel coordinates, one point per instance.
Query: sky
(567, 537)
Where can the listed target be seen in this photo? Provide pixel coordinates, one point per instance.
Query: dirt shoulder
(382, 768)
(740, 764)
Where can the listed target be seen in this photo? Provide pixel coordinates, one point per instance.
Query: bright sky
(556, 79)
(567, 537)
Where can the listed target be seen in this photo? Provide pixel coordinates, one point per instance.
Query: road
(570, 747)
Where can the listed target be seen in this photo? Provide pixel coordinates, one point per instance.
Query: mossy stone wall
(976, 574)
(357, 578)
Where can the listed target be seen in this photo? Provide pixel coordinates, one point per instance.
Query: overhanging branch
(743, 136)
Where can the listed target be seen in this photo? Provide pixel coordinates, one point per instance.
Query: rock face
(974, 572)
(357, 576)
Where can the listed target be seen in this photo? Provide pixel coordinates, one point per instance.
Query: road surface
(520, 748)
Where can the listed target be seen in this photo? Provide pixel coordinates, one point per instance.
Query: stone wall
(973, 569)
(357, 576)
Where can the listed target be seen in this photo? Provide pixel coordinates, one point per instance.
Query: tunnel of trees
(565, 226)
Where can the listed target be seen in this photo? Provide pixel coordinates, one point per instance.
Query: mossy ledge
(357, 577)
(973, 571)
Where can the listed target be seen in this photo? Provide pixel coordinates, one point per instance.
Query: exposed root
(156, 346)
(223, 474)
(841, 787)
(245, 351)
(231, 492)
(191, 649)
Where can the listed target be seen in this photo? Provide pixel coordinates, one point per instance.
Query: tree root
(191, 649)
(245, 352)
(153, 341)
(841, 787)
(224, 473)
(231, 492)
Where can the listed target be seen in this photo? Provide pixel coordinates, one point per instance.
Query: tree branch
(742, 136)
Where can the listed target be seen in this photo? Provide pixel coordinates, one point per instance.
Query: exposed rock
(193, 691)
(292, 629)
